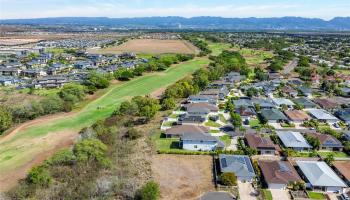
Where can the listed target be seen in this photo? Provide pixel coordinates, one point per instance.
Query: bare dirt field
(183, 176)
(150, 46)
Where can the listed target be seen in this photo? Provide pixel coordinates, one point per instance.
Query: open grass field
(217, 48)
(150, 46)
(183, 176)
(22, 146)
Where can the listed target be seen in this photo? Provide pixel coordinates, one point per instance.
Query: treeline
(273, 44)
(222, 64)
(281, 58)
(64, 101)
(304, 69)
(159, 63)
(200, 44)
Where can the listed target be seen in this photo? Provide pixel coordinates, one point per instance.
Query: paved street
(290, 66)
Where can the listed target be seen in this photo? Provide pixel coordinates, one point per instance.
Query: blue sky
(326, 9)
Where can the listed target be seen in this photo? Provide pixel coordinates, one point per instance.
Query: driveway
(246, 191)
(233, 145)
(280, 194)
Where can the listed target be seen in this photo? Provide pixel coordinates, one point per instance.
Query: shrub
(228, 179)
(63, 157)
(150, 191)
(5, 119)
(39, 176)
(91, 150)
(132, 134)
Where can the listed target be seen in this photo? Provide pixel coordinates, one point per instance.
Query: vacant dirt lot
(150, 46)
(183, 176)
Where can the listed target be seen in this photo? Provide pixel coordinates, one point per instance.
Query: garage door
(276, 186)
(334, 189)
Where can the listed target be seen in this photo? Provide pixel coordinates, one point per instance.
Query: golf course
(32, 142)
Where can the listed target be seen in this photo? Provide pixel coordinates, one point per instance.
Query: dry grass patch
(150, 46)
(183, 176)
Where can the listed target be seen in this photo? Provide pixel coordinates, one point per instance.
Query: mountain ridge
(201, 22)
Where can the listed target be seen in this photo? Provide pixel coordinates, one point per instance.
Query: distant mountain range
(283, 23)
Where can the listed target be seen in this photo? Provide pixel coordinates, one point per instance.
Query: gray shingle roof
(293, 139)
(320, 174)
(240, 165)
(321, 114)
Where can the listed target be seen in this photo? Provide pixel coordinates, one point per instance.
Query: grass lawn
(173, 115)
(168, 123)
(214, 131)
(337, 154)
(316, 195)
(222, 118)
(217, 48)
(226, 139)
(212, 124)
(13, 155)
(267, 194)
(254, 122)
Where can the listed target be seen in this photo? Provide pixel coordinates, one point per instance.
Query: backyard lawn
(336, 154)
(254, 123)
(226, 139)
(222, 118)
(212, 124)
(316, 195)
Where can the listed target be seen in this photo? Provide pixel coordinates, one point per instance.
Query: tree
(228, 179)
(150, 191)
(39, 176)
(329, 158)
(252, 92)
(72, 93)
(91, 150)
(236, 119)
(5, 119)
(314, 142)
(97, 80)
(168, 103)
(132, 134)
(52, 104)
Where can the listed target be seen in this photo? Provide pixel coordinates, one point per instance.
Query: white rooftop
(321, 114)
(320, 174)
(280, 101)
(293, 139)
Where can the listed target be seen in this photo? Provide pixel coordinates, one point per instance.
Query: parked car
(344, 196)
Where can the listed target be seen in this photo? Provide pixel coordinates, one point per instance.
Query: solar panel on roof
(248, 164)
(283, 167)
(223, 162)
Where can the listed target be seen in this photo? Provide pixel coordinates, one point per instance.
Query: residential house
(342, 169)
(246, 113)
(202, 98)
(201, 108)
(33, 73)
(289, 91)
(240, 165)
(282, 101)
(293, 140)
(322, 115)
(328, 142)
(245, 103)
(319, 176)
(219, 93)
(200, 141)
(305, 102)
(264, 146)
(344, 115)
(297, 116)
(278, 174)
(273, 115)
(51, 82)
(10, 71)
(263, 103)
(178, 131)
(345, 91)
(191, 119)
(306, 91)
(327, 104)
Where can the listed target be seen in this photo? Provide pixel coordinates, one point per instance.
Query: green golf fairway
(12, 155)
